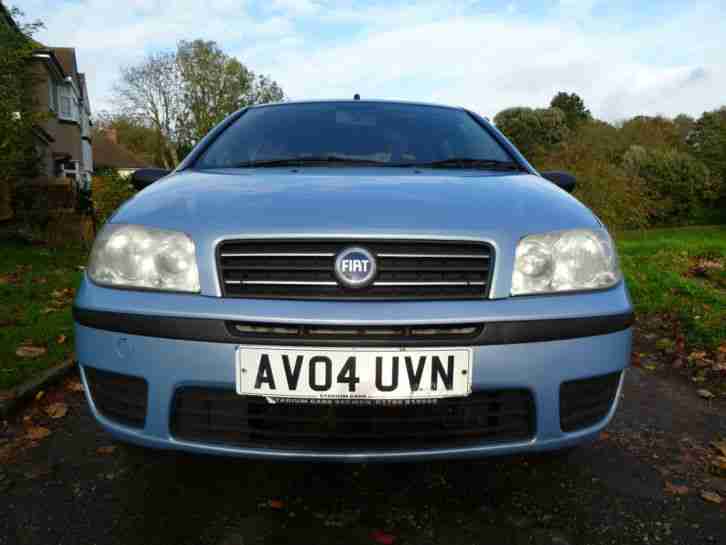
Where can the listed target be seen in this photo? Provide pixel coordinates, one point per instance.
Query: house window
(67, 104)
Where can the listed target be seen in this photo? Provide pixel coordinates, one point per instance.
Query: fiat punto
(353, 280)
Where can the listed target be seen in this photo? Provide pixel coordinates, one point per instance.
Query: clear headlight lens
(580, 259)
(144, 257)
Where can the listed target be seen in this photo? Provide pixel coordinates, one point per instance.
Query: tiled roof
(109, 154)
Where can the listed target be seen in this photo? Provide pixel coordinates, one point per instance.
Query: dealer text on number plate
(329, 373)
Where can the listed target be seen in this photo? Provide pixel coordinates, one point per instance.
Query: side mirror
(146, 176)
(561, 179)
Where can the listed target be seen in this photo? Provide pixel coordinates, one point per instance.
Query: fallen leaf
(36, 433)
(705, 394)
(39, 395)
(30, 351)
(635, 359)
(675, 489)
(713, 497)
(56, 410)
(47, 310)
(717, 466)
(720, 446)
(604, 436)
(650, 367)
(106, 450)
(61, 339)
(276, 504)
(382, 537)
(74, 386)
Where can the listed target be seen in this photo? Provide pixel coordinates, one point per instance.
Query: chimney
(111, 134)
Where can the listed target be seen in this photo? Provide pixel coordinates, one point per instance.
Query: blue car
(353, 281)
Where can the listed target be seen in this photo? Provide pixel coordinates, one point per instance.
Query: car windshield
(361, 133)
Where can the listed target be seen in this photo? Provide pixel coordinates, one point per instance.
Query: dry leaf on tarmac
(675, 489)
(74, 386)
(39, 395)
(106, 450)
(713, 497)
(705, 394)
(36, 433)
(276, 504)
(30, 351)
(720, 446)
(56, 410)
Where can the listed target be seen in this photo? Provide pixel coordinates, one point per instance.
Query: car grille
(303, 269)
(368, 335)
(222, 417)
(120, 398)
(586, 402)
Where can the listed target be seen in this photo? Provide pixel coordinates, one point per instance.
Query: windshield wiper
(308, 161)
(468, 162)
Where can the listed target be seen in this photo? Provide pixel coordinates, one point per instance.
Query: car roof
(361, 101)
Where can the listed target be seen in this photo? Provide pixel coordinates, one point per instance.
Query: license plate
(349, 374)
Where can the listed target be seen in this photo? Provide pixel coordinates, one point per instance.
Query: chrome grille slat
(432, 256)
(408, 269)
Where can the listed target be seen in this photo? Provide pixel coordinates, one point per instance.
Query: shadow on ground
(612, 491)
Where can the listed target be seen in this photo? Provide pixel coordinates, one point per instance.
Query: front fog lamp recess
(144, 257)
(575, 260)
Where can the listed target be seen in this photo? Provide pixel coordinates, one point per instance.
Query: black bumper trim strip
(217, 330)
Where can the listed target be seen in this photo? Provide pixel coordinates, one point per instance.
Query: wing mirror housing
(564, 180)
(144, 177)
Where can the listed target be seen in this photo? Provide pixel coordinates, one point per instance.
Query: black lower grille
(223, 417)
(121, 398)
(304, 269)
(369, 335)
(585, 402)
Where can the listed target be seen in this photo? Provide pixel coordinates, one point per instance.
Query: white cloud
(485, 60)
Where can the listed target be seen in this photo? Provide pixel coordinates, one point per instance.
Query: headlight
(144, 257)
(580, 259)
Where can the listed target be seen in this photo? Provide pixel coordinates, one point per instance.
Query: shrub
(533, 129)
(109, 192)
(618, 197)
(680, 184)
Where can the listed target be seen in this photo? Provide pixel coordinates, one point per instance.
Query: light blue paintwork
(342, 202)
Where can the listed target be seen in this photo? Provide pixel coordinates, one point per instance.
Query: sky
(623, 58)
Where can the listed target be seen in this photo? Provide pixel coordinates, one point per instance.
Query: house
(64, 138)
(61, 138)
(109, 154)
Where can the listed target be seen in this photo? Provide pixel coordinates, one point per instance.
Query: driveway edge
(10, 400)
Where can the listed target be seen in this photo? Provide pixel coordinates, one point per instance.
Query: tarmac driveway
(640, 483)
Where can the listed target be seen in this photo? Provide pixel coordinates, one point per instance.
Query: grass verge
(37, 285)
(681, 273)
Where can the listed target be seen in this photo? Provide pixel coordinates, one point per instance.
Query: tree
(153, 90)
(18, 114)
(707, 141)
(184, 94)
(573, 107)
(532, 130)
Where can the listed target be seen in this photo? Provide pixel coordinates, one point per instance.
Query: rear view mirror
(144, 177)
(561, 179)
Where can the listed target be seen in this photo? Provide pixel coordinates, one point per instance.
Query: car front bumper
(541, 342)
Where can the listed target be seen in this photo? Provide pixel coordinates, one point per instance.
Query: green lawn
(36, 311)
(680, 272)
(35, 307)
